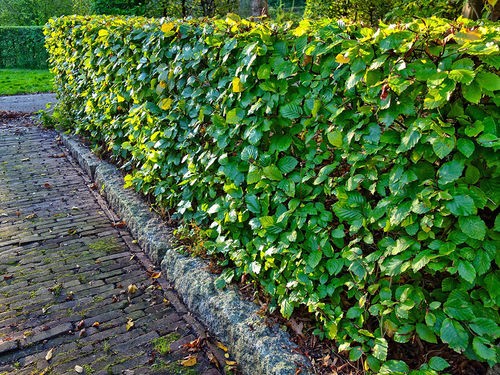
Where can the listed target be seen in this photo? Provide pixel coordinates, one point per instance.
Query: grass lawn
(24, 81)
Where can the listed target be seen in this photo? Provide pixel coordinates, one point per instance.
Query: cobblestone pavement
(26, 103)
(76, 294)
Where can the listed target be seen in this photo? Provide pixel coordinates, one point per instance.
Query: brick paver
(75, 291)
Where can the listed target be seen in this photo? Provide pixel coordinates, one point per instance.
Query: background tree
(32, 12)
(373, 11)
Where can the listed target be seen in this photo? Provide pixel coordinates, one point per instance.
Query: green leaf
(472, 92)
(473, 227)
(442, 146)
(254, 177)
(461, 205)
(394, 367)
(335, 138)
(314, 258)
(253, 204)
(466, 271)
(272, 172)
(334, 266)
(438, 363)
(483, 350)
(396, 40)
(266, 221)
(281, 142)
(454, 335)
(489, 81)
(264, 72)
(439, 95)
(380, 349)
(291, 111)
(466, 147)
(409, 140)
(462, 75)
(426, 333)
(286, 308)
(450, 171)
(355, 353)
(485, 327)
(254, 136)
(234, 116)
(474, 129)
(250, 152)
(287, 164)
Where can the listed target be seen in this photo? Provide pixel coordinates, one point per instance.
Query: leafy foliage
(22, 47)
(372, 11)
(33, 12)
(347, 169)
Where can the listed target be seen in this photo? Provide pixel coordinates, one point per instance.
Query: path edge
(257, 348)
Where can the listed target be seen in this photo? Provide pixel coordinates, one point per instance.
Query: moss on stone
(162, 344)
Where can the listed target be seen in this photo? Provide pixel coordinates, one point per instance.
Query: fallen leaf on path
(129, 325)
(57, 155)
(194, 345)
(47, 185)
(31, 216)
(79, 369)
(132, 288)
(213, 359)
(25, 159)
(74, 208)
(189, 361)
(82, 333)
(95, 324)
(49, 354)
(155, 275)
(231, 363)
(221, 346)
(8, 277)
(120, 224)
(80, 325)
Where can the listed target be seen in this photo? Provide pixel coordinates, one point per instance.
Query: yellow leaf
(156, 275)
(492, 2)
(302, 29)
(231, 363)
(163, 84)
(49, 354)
(166, 27)
(103, 32)
(189, 361)
(237, 85)
(341, 59)
(95, 324)
(129, 325)
(221, 346)
(132, 288)
(165, 104)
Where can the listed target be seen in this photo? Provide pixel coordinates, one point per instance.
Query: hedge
(349, 170)
(22, 47)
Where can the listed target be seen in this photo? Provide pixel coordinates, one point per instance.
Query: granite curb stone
(257, 348)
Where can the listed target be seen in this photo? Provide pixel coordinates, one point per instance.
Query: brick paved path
(68, 276)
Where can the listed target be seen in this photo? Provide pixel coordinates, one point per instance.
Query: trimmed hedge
(22, 47)
(349, 170)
